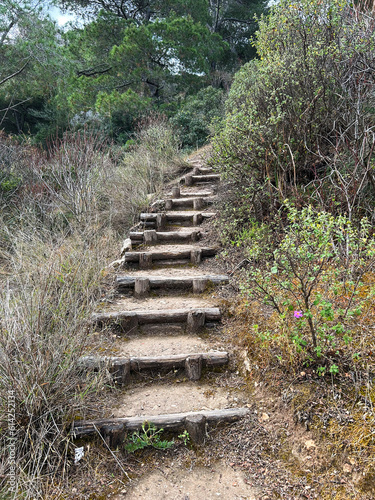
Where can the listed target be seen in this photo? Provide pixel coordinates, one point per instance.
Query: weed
(149, 435)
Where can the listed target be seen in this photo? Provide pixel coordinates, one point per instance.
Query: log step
(121, 367)
(160, 221)
(114, 430)
(142, 285)
(192, 179)
(178, 193)
(129, 321)
(198, 170)
(196, 203)
(146, 260)
(150, 237)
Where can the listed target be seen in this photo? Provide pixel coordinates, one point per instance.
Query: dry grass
(63, 223)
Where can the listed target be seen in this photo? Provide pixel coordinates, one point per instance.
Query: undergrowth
(64, 213)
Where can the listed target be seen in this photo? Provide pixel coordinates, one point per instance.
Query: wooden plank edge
(137, 363)
(173, 421)
(157, 315)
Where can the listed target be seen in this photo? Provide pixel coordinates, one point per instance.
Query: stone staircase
(165, 308)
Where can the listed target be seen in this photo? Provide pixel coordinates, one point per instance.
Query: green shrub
(300, 118)
(197, 114)
(318, 277)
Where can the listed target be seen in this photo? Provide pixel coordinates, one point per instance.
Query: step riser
(150, 220)
(192, 179)
(114, 430)
(146, 260)
(152, 237)
(203, 171)
(129, 322)
(195, 285)
(193, 203)
(122, 368)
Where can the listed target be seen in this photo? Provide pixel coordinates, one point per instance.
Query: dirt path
(243, 459)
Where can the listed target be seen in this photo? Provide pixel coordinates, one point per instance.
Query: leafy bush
(318, 277)
(196, 115)
(300, 119)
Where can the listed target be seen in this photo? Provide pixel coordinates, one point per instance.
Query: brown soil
(173, 398)
(267, 455)
(209, 483)
(153, 303)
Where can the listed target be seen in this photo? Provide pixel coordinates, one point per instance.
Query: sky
(59, 16)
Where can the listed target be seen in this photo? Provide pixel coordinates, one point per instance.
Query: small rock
(310, 444)
(126, 246)
(347, 468)
(264, 417)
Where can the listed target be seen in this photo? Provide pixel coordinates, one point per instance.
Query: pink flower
(298, 314)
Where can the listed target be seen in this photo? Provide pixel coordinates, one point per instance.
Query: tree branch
(92, 71)
(16, 73)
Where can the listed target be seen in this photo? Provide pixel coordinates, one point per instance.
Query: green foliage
(147, 436)
(299, 118)
(196, 115)
(317, 276)
(33, 61)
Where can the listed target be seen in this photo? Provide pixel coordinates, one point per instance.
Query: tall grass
(61, 224)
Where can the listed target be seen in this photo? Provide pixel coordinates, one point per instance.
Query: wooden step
(193, 255)
(199, 170)
(129, 321)
(153, 237)
(122, 367)
(143, 285)
(178, 193)
(192, 179)
(192, 202)
(114, 430)
(160, 220)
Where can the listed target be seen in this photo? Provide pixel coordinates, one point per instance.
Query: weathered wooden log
(170, 254)
(141, 287)
(193, 367)
(199, 170)
(114, 435)
(195, 320)
(192, 202)
(189, 180)
(176, 192)
(198, 284)
(195, 256)
(161, 221)
(128, 323)
(178, 218)
(138, 363)
(120, 368)
(150, 236)
(198, 203)
(154, 237)
(205, 178)
(130, 320)
(169, 204)
(136, 237)
(170, 422)
(197, 219)
(145, 260)
(196, 427)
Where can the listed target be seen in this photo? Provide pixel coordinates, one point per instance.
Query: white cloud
(59, 16)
